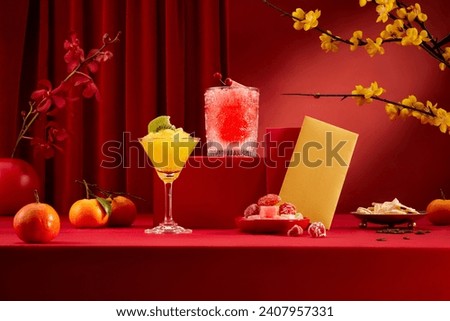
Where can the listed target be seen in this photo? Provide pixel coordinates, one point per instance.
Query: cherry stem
(108, 193)
(36, 196)
(88, 192)
(442, 194)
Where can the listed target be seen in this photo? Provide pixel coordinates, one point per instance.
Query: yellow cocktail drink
(168, 149)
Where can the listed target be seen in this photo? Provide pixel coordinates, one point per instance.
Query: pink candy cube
(268, 211)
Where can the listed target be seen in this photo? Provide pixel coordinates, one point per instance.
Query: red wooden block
(212, 191)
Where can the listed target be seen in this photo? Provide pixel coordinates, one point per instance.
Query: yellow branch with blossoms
(408, 28)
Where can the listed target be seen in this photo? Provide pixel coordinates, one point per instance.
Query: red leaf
(38, 94)
(44, 83)
(104, 56)
(90, 90)
(44, 105)
(42, 147)
(59, 101)
(80, 79)
(61, 135)
(93, 66)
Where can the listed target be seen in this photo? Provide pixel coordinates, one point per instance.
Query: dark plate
(389, 219)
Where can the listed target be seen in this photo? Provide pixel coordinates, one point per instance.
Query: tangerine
(88, 213)
(438, 212)
(123, 211)
(37, 223)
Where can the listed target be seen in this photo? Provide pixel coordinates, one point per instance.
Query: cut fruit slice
(160, 123)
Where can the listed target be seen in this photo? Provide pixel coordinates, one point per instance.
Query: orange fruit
(438, 212)
(88, 213)
(36, 223)
(123, 211)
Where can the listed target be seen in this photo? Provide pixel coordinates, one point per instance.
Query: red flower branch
(45, 98)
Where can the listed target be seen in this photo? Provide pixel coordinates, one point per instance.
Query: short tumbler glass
(231, 120)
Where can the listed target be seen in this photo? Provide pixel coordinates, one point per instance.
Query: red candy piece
(269, 200)
(287, 208)
(252, 209)
(268, 211)
(317, 229)
(295, 230)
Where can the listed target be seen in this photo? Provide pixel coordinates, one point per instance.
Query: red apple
(438, 212)
(17, 184)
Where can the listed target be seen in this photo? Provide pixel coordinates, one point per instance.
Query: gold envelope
(316, 173)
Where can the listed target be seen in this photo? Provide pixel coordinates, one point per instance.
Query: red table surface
(126, 264)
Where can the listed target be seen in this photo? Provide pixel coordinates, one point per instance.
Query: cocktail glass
(231, 120)
(168, 154)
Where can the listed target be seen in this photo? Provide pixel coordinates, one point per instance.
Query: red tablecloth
(126, 264)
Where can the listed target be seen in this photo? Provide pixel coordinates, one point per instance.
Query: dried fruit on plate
(269, 200)
(287, 208)
(252, 209)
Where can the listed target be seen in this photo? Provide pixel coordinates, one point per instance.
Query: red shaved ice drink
(231, 120)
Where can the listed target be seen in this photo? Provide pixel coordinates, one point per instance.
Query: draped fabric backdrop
(164, 61)
(167, 52)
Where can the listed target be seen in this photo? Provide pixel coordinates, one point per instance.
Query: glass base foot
(168, 229)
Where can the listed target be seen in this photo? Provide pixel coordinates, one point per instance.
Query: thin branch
(443, 41)
(344, 96)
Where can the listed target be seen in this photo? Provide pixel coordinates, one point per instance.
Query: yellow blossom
(411, 101)
(392, 111)
(446, 53)
(401, 13)
(394, 30)
(311, 21)
(299, 14)
(417, 107)
(376, 91)
(355, 39)
(328, 43)
(446, 56)
(362, 3)
(431, 107)
(417, 11)
(365, 94)
(373, 48)
(413, 37)
(361, 91)
(305, 21)
(425, 118)
(412, 12)
(383, 9)
(405, 112)
(442, 120)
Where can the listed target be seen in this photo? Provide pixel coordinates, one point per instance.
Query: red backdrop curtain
(167, 52)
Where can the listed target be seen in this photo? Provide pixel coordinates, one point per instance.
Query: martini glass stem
(168, 219)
